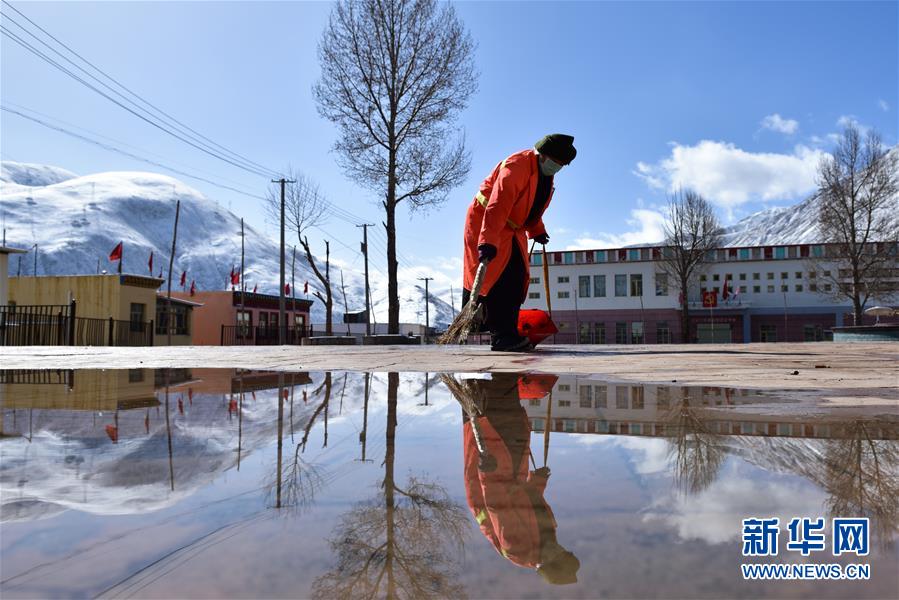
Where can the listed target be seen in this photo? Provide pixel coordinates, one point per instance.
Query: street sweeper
(506, 212)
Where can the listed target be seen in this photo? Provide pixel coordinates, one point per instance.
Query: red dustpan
(536, 325)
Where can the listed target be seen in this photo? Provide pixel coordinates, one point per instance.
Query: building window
(637, 396)
(812, 274)
(584, 334)
(244, 322)
(798, 287)
(813, 287)
(742, 276)
(600, 393)
(564, 403)
(742, 289)
(756, 289)
(600, 256)
(812, 333)
(744, 253)
(784, 275)
(663, 333)
(780, 252)
(273, 319)
(534, 295)
(180, 319)
(770, 289)
(702, 278)
(661, 284)
(299, 320)
(537, 259)
(533, 402)
(263, 320)
(769, 276)
(621, 285)
(798, 274)
(563, 295)
(620, 396)
(827, 273)
(633, 254)
(784, 288)
(599, 333)
(562, 279)
(135, 375)
(620, 333)
(568, 257)
(636, 285)
(637, 332)
(716, 277)
(599, 286)
(756, 276)
(534, 280)
(586, 396)
(583, 286)
(137, 316)
(828, 287)
(768, 333)
(564, 387)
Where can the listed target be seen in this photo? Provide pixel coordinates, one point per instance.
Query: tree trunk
(393, 297)
(684, 315)
(393, 384)
(329, 304)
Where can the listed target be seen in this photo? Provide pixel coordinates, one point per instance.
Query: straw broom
(467, 394)
(468, 321)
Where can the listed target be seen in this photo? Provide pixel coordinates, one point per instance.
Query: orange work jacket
(497, 216)
(502, 501)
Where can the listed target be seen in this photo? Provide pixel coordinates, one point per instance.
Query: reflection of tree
(695, 452)
(861, 475)
(400, 543)
(296, 481)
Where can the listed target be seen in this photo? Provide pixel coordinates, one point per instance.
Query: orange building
(223, 321)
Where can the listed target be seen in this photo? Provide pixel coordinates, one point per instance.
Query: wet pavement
(231, 483)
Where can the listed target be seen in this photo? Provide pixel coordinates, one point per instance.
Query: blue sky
(736, 99)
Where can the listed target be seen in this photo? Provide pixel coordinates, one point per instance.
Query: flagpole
(121, 257)
(242, 283)
(171, 263)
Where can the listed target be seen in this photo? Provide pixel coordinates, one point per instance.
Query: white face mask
(550, 167)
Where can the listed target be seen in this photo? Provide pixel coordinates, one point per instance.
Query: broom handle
(478, 281)
(549, 304)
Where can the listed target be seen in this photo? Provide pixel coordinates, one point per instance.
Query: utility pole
(168, 324)
(365, 227)
(35, 260)
(453, 301)
(282, 325)
(346, 306)
(427, 302)
(243, 285)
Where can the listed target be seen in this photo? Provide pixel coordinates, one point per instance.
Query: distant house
(232, 317)
(109, 309)
(4, 271)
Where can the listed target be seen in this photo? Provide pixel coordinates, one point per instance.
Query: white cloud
(729, 176)
(777, 123)
(647, 229)
(883, 105)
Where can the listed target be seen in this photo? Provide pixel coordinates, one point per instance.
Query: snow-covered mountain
(797, 224)
(77, 220)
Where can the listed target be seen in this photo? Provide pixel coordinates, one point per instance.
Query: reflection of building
(623, 296)
(222, 321)
(111, 309)
(591, 406)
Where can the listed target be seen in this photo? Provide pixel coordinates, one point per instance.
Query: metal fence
(261, 335)
(58, 325)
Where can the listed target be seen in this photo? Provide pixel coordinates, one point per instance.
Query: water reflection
(401, 543)
(504, 496)
(357, 476)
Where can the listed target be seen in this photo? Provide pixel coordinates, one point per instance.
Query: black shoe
(512, 343)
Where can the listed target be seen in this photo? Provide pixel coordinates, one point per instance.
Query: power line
(163, 128)
(159, 111)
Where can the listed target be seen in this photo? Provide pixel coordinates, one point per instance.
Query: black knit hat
(557, 145)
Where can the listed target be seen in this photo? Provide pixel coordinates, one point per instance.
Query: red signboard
(709, 299)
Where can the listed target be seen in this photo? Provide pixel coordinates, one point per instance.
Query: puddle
(201, 483)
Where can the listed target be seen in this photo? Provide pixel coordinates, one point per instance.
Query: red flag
(160, 273)
(232, 406)
(725, 292)
(181, 405)
(709, 299)
(254, 396)
(193, 287)
(286, 289)
(183, 278)
(116, 253)
(306, 288)
(190, 395)
(147, 422)
(113, 432)
(150, 263)
(235, 276)
(255, 287)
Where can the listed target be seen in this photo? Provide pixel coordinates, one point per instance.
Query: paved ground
(836, 372)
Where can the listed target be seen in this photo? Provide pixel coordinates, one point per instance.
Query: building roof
(176, 300)
(10, 250)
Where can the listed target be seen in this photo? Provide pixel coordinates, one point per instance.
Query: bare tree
(403, 542)
(696, 452)
(691, 231)
(858, 194)
(304, 207)
(395, 75)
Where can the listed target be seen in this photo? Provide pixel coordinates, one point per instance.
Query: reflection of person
(507, 502)
(507, 210)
